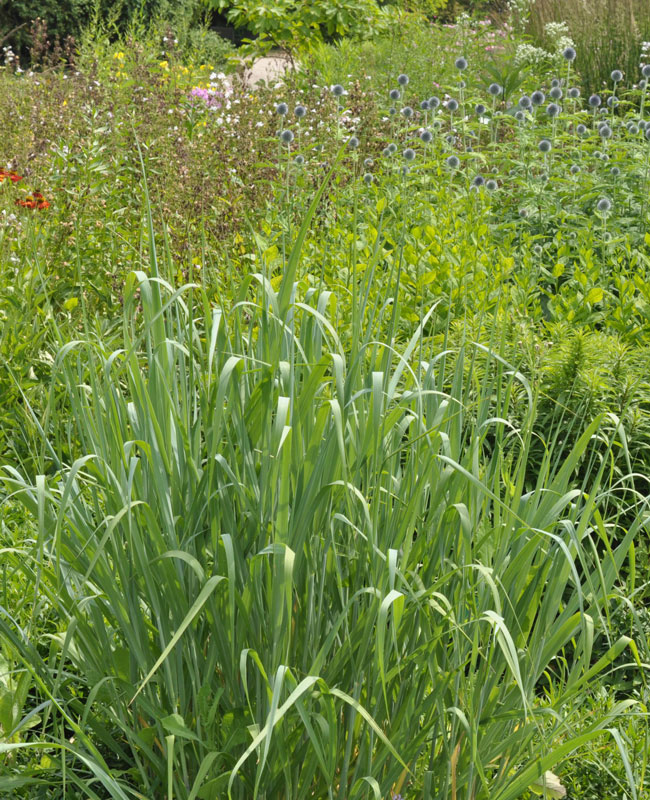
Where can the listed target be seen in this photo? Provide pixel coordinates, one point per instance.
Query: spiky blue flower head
(286, 136)
(480, 109)
(520, 116)
(556, 93)
(386, 152)
(491, 185)
(394, 94)
(643, 83)
(424, 105)
(552, 109)
(450, 139)
(574, 92)
(299, 160)
(605, 132)
(604, 157)
(469, 149)
(337, 90)
(407, 112)
(392, 147)
(523, 213)
(426, 136)
(632, 128)
(594, 101)
(597, 154)
(282, 109)
(353, 143)
(392, 110)
(569, 53)
(300, 111)
(525, 102)
(367, 163)
(574, 169)
(452, 162)
(405, 170)
(545, 146)
(604, 205)
(452, 105)
(461, 64)
(616, 76)
(642, 124)
(581, 129)
(434, 102)
(479, 180)
(367, 179)
(403, 79)
(647, 132)
(645, 70)
(612, 101)
(409, 154)
(494, 89)
(615, 172)
(462, 84)
(538, 250)
(555, 83)
(537, 98)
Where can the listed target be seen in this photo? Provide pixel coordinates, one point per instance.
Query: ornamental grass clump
(289, 568)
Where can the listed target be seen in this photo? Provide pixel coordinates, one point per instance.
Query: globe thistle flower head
(569, 53)
(632, 128)
(537, 98)
(469, 149)
(462, 84)
(616, 76)
(520, 116)
(367, 179)
(605, 132)
(556, 93)
(461, 64)
(353, 143)
(392, 111)
(646, 132)
(367, 163)
(604, 205)
(403, 79)
(300, 111)
(597, 154)
(581, 129)
(645, 70)
(574, 169)
(480, 109)
(615, 172)
(612, 101)
(494, 89)
(299, 160)
(545, 146)
(479, 180)
(392, 147)
(643, 83)
(394, 94)
(409, 154)
(434, 102)
(282, 109)
(407, 112)
(574, 92)
(525, 102)
(386, 152)
(491, 185)
(642, 124)
(426, 136)
(538, 250)
(452, 162)
(523, 213)
(437, 125)
(594, 101)
(286, 137)
(424, 105)
(604, 157)
(337, 90)
(555, 83)
(452, 105)
(552, 109)
(405, 170)
(450, 139)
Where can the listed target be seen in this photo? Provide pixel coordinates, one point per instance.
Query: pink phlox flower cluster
(211, 97)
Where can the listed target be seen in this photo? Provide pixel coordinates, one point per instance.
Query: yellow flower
(119, 55)
(164, 64)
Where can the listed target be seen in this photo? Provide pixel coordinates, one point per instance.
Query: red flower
(14, 177)
(35, 200)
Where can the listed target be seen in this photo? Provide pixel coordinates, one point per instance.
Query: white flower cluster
(530, 56)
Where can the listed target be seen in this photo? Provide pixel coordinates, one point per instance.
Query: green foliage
(296, 25)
